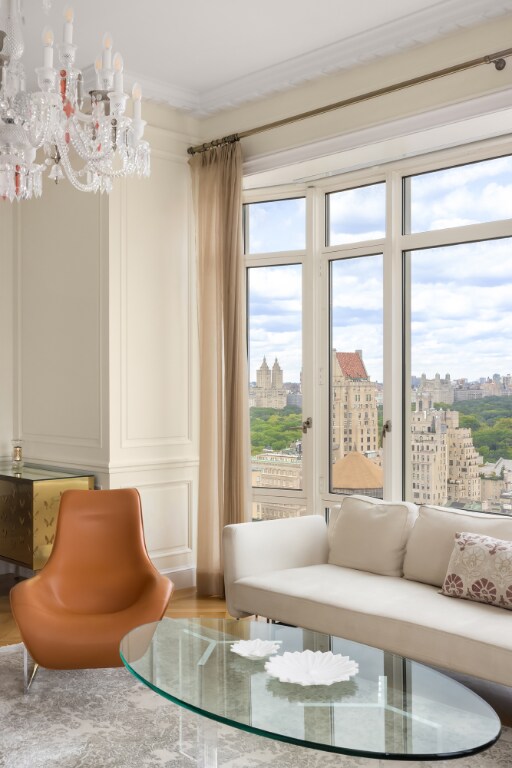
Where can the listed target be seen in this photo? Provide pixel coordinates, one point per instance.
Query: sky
(461, 296)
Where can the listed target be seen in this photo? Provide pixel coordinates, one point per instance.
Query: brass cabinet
(29, 505)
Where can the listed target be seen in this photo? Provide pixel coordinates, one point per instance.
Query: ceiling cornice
(394, 37)
(388, 39)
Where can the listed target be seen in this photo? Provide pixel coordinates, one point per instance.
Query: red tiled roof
(351, 365)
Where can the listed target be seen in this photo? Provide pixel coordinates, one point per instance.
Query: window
(356, 339)
(465, 194)
(356, 214)
(275, 226)
(394, 291)
(275, 305)
(459, 332)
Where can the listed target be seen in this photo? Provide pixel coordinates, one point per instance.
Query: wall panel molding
(156, 312)
(59, 328)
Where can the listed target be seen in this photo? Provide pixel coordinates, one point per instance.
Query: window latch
(386, 427)
(307, 425)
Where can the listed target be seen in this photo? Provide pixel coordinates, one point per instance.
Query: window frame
(316, 259)
(304, 496)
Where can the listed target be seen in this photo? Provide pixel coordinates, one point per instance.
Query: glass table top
(392, 708)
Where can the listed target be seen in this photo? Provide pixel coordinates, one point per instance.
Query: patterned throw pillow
(480, 569)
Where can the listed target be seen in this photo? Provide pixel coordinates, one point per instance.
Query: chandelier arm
(80, 142)
(135, 164)
(71, 174)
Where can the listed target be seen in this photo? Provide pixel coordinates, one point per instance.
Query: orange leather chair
(97, 584)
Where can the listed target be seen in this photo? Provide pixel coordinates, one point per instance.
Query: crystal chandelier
(87, 139)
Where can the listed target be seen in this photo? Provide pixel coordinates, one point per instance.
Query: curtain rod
(498, 59)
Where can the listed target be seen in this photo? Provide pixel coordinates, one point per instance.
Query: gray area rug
(107, 719)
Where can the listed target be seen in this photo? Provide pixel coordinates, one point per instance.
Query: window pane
(277, 225)
(356, 214)
(275, 391)
(461, 363)
(466, 194)
(356, 376)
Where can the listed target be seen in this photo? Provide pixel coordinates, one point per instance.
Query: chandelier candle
(107, 51)
(118, 73)
(68, 26)
(48, 48)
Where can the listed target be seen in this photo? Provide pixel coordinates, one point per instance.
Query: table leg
(207, 743)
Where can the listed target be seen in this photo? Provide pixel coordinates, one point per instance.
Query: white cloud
(469, 194)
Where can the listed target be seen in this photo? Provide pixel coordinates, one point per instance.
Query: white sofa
(372, 575)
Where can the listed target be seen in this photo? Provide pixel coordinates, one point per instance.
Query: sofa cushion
(430, 543)
(370, 534)
(480, 569)
(401, 616)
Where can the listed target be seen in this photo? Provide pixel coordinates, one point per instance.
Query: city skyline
(270, 358)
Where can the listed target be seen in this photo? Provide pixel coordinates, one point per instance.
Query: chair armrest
(252, 549)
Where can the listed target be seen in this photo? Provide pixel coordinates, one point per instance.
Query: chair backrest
(99, 562)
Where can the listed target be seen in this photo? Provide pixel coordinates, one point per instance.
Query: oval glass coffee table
(393, 709)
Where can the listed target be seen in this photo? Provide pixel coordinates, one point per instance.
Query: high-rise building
(464, 462)
(445, 463)
(354, 406)
(429, 457)
(269, 391)
(436, 390)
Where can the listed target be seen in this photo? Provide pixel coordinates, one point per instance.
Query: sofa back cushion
(430, 544)
(370, 534)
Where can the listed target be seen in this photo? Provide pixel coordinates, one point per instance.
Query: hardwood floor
(185, 603)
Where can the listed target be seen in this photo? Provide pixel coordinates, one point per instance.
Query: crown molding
(394, 37)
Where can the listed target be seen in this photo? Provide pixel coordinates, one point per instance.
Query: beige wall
(61, 256)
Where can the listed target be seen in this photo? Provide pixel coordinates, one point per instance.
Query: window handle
(386, 427)
(307, 425)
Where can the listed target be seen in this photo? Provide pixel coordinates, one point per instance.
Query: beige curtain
(224, 432)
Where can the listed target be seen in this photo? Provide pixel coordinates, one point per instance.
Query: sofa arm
(252, 549)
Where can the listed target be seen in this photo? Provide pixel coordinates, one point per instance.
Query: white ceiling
(205, 56)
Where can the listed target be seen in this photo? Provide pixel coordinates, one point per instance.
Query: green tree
(276, 429)
(472, 422)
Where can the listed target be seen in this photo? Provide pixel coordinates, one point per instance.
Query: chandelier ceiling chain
(89, 140)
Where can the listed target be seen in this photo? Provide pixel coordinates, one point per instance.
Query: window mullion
(393, 335)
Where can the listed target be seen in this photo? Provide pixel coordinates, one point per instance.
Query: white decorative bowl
(311, 668)
(256, 649)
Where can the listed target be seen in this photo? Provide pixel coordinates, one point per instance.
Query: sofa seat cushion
(405, 617)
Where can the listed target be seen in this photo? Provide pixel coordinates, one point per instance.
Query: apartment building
(354, 406)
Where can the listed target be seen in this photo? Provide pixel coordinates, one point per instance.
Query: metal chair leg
(28, 679)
